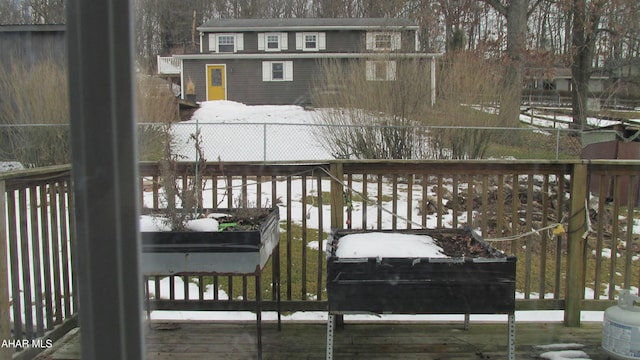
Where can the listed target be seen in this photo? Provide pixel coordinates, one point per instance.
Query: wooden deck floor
(372, 340)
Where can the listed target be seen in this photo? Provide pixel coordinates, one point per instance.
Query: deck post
(337, 196)
(6, 352)
(576, 237)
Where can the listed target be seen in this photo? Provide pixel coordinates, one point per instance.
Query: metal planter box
(452, 285)
(221, 252)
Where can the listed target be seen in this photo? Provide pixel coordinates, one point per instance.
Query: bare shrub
(157, 109)
(182, 193)
(468, 93)
(34, 113)
(372, 106)
(394, 119)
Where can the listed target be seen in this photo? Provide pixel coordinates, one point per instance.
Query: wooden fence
(566, 240)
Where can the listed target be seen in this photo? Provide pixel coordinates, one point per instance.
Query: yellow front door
(216, 82)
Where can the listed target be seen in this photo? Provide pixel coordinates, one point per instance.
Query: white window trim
(283, 41)
(214, 40)
(396, 39)
(267, 72)
(371, 70)
(321, 41)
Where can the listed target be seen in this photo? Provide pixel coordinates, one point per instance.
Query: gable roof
(303, 24)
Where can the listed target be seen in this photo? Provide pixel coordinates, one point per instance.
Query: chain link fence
(49, 144)
(295, 142)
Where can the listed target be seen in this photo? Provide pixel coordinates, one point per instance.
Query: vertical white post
(433, 81)
(5, 322)
(264, 142)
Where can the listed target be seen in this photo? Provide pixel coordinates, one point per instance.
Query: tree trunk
(516, 15)
(583, 42)
(516, 12)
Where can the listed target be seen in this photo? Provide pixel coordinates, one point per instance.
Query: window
(216, 77)
(226, 44)
(378, 70)
(272, 41)
(311, 41)
(277, 71)
(383, 41)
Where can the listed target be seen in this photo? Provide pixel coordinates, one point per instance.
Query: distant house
(28, 44)
(560, 80)
(273, 61)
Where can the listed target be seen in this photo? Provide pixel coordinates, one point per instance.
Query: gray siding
(245, 85)
(346, 41)
(244, 76)
(31, 44)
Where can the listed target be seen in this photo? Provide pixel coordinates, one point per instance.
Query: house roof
(301, 24)
(307, 55)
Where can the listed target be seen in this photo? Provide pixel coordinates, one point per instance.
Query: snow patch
(565, 354)
(388, 245)
(10, 166)
(150, 223)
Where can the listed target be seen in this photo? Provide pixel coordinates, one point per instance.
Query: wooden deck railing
(507, 202)
(38, 291)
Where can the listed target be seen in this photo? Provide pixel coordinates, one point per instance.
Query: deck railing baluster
(25, 260)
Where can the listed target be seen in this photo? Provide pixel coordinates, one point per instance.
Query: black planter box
(221, 252)
(453, 285)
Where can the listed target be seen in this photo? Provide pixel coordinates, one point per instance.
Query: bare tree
(516, 12)
(47, 11)
(13, 12)
(586, 21)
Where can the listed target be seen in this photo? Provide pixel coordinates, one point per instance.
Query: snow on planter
(432, 271)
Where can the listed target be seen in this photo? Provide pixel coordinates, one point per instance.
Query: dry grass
(35, 107)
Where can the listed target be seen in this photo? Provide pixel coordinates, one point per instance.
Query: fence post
(264, 142)
(6, 352)
(576, 246)
(337, 197)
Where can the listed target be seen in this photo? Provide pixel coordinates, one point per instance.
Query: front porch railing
(588, 250)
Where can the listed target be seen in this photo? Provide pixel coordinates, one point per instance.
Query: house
(560, 80)
(274, 61)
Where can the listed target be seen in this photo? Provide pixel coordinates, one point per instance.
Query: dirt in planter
(244, 219)
(462, 245)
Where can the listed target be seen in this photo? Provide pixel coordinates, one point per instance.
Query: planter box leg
(330, 330)
(511, 352)
(259, 315)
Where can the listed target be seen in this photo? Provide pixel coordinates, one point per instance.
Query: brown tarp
(615, 150)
